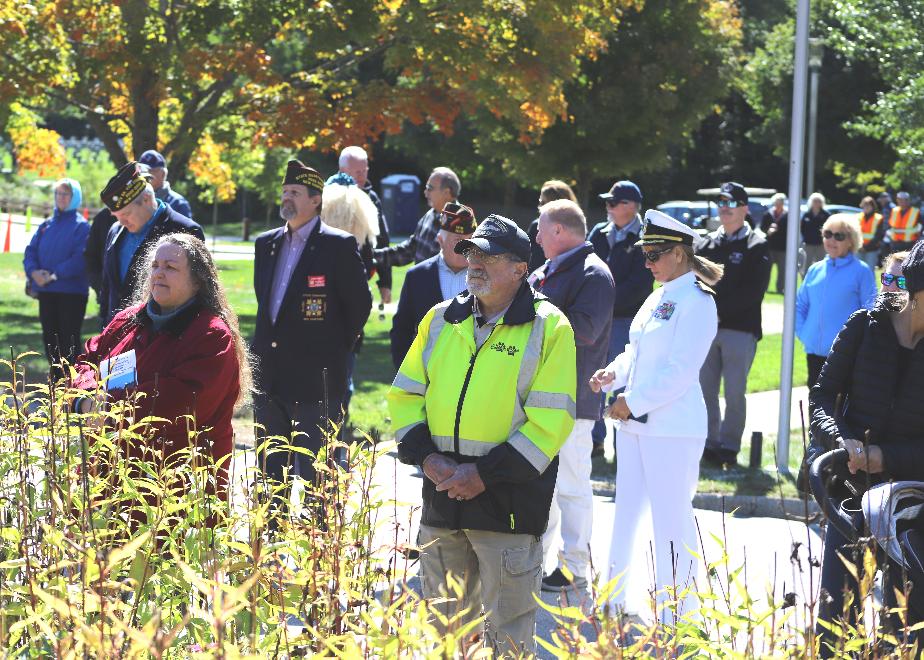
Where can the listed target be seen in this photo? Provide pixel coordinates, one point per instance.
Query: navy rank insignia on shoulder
(705, 288)
(665, 310)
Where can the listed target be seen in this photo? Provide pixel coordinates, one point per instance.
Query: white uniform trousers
(659, 475)
(572, 508)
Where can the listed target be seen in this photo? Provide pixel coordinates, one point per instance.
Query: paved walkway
(766, 545)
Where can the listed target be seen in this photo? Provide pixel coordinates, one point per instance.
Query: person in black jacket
(810, 227)
(433, 280)
(614, 241)
(142, 220)
(95, 250)
(738, 297)
(773, 224)
(312, 303)
(868, 400)
(577, 282)
(550, 191)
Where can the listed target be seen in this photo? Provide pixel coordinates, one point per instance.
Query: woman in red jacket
(179, 345)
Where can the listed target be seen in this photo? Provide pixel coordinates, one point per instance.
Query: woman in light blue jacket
(56, 272)
(833, 289)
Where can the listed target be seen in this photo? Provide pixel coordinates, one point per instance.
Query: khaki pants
(498, 571)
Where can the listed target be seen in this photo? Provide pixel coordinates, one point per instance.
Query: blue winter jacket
(57, 246)
(832, 290)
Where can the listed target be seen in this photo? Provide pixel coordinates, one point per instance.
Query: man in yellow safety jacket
(483, 402)
(904, 224)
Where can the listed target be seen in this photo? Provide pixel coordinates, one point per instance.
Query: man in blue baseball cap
(614, 242)
(157, 165)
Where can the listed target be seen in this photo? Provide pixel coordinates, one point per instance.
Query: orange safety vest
(904, 227)
(869, 225)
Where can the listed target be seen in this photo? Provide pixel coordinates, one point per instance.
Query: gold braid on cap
(310, 179)
(661, 237)
(130, 192)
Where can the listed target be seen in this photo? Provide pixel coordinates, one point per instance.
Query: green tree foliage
(664, 69)
(159, 73)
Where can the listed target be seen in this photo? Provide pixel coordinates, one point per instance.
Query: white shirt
(669, 339)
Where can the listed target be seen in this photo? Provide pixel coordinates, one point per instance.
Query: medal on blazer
(314, 307)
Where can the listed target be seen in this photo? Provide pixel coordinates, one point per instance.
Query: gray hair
(448, 179)
(144, 195)
(778, 197)
(352, 153)
(818, 196)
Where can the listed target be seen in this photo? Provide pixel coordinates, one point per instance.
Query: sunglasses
(727, 203)
(836, 235)
(613, 203)
(888, 278)
(478, 256)
(654, 255)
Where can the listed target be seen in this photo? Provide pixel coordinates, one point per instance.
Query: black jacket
(582, 288)
(95, 250)
(811, 225)
(420, 292)
(322, 315)
(515, 489)
(740, 292)
(115, 293)
(776, 240)
(382, 240)
(626, 262)
(880, 395)
(536, 253)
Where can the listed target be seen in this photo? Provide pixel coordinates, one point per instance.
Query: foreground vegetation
(105, 555)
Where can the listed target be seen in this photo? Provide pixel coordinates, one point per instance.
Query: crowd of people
(511, 348)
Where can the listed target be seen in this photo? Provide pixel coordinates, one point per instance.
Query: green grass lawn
(20, 329)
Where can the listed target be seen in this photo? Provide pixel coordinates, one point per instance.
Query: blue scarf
(158, 318)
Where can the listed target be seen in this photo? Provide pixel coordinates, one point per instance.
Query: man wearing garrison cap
(141, 219)
(312, 302)
(433, 280)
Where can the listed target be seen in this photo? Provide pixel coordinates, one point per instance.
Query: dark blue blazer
(322, 315)
(626, 262)
(420, 292)
(115, 293)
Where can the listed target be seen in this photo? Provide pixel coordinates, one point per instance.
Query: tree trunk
(583, 190)
(143, 77)
(109, 139)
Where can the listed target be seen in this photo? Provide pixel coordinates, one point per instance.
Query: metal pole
(796, 147)
(812, 131)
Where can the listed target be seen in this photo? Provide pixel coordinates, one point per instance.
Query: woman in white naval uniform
(661, 415)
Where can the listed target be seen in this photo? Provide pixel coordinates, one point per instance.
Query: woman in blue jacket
(833, 289)
(55, 270)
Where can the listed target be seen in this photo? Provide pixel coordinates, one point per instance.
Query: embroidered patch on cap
(665, 310)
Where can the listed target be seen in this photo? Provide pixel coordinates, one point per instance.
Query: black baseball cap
(498, 235)
(733, 191)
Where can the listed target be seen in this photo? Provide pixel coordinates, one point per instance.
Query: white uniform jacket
(669, 339)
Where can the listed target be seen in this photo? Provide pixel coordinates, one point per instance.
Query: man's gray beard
(287, 212)
(479, 287)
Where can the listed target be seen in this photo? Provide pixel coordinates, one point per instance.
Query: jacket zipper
(455, 434)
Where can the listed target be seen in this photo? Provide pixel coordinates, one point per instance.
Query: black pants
(61, 315)
(815, 363)
(835, 579)
(285, 418)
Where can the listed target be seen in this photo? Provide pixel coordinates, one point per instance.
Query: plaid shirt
(420, 246)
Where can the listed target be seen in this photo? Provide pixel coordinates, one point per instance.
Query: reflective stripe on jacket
(507, 406)
(869, 225)
(904, 226)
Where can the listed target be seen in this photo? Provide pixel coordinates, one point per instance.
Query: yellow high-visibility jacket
(508, 407)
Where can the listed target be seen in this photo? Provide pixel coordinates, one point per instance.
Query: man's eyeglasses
(613, 203)
(888, 278)
(429, 187)
(654, 255)
(477, 256)
(727, 203)
(836, 235)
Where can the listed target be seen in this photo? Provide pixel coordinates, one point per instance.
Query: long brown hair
(209, 292)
